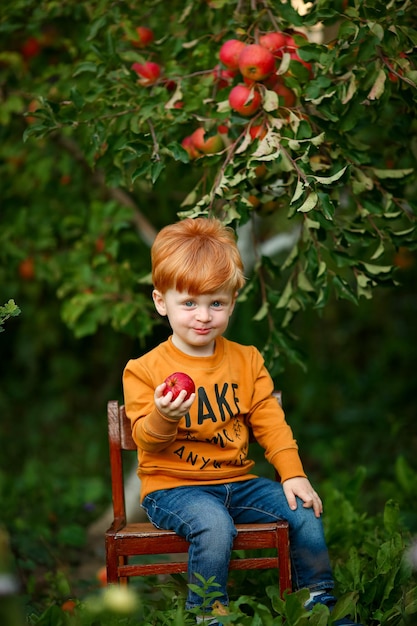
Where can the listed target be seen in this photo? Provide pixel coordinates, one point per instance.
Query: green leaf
(391, 516)
(343, 290)
(37, 129)
(378, 87)
(262, 312)
(85, 66)
(318, 140)
(380, 250)
(392, 173)
(377, 269)
(327, 207)
(293, 144)
(328, 180)
(364, 285)
(309, 203)
(294, 606)
(76, 98)
(406, 476)
(345, 605)
(303, 282)
(269, 148)
(360, 181)
(96, 26)
(270, 101)
(376, 29)
(299, 190)
(10, 309)
(53, 615)
(285, 296)
(410, 601)
(178, 152)
(141, 170)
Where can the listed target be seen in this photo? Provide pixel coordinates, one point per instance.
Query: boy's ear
(234, 302)
(159, 302)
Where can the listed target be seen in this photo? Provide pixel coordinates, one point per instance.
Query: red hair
(196, 256)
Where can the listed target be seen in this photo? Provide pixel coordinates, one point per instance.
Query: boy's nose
(203, 314)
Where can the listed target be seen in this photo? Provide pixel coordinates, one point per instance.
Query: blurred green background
(69, 241)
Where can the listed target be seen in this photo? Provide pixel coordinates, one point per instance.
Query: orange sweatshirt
(210, 445)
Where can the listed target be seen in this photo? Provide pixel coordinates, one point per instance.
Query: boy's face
(196, 321)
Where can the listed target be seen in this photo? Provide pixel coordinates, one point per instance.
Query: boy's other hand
(173, 409)
(301, 487)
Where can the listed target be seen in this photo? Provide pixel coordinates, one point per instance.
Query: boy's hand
(301, 487)
(174, 409)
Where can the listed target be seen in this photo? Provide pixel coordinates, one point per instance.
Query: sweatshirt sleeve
(139, 389)
(270, 428)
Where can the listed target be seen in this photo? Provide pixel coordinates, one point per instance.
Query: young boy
(195, 474)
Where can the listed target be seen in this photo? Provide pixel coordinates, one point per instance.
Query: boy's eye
(189, 303)
(216, 304)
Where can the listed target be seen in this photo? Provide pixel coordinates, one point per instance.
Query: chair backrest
(120, 439)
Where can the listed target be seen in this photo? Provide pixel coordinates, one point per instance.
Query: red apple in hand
(178, 381)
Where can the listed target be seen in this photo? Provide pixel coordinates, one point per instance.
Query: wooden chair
(124, 540)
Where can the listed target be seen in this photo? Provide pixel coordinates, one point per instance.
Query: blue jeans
(206, 516)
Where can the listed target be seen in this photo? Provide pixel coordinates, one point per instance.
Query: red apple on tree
(33, 106)
(286, 96)
(178, 381)
(149, 72)
(223, 77)
(170, 84)
(258, 131)
(209, 145)
(223, 129)
(254, 200)
(229, 53)
(256, 62)
(30, 48)
(245, 100)
(275, 42)
(68, 606)
(188, 145)
(26, 268)
(145, 36)
(290, 43)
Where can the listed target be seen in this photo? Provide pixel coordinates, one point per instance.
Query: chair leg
(111, 561)
(284, 562)
(123, 560)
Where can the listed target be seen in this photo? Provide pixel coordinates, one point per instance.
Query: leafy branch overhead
(299, 123)
(10, 309)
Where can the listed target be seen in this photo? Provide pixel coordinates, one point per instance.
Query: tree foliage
(93, 158)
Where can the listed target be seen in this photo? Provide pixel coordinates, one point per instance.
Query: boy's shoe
(330, 601)
(210, 621)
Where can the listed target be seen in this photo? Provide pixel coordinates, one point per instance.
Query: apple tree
(293, 122)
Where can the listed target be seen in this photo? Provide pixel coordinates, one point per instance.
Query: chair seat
(138, 539)
(248, 537)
